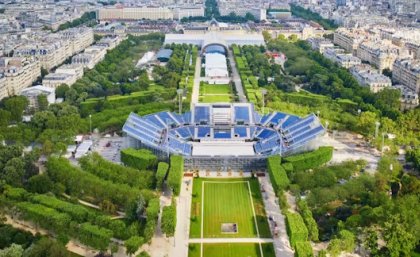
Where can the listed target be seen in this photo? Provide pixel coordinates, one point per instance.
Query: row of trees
(88, 19)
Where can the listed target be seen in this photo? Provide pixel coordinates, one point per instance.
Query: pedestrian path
(281, 242)
(183, 210)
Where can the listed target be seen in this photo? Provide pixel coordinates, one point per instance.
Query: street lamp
(383, 140)
(359, 112)
(90, 124)
(377, 124)
(180, 92)
(263, 93)
(317, 113)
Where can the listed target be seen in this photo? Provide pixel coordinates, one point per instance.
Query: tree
(16, 105)
(5, 117)
(46, 247)
(40, 184)
(133, 244)
(367, 123)
(399, 241)
(13, 250)
(42, 102)
(14, 171)
(249, 16)
(61, 90)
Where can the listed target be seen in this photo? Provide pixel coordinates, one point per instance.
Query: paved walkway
(183, 211)
(230, 240)
(237, 79)
(196, 86)
(281, 243)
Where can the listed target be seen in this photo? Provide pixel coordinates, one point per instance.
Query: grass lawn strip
(232, 250)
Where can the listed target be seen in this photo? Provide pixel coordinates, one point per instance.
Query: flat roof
(223, 148)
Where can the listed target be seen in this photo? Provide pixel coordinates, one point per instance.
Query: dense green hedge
(296, 228)
(161, 173)
(309, 220)
(176, 171)
(95, 164)
(303, 249)
(152, 213)
(140, 159)
(288, 167)
(310, 160)
(85, 185)
(93, 104)
(278, 175)
(95, 236)
(169, 220)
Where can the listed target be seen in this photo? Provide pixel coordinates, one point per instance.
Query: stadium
(229, 135)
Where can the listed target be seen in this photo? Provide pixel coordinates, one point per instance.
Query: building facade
(407, 73)
(139, 13)
(19, 73)
(366, 76)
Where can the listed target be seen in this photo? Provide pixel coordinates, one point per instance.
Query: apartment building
(349, 39)
(381, 55)
(339, 56)
(185, 12)
(137, 13)
(53, 80)
(72, 69)
(109, 42)
(407, 73)
(320, 44)
(19, 73)
(369, 77)
(226, 9)
(3, 87)
(56, 48)
(409, 99)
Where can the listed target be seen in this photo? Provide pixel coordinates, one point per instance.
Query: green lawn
(227, 201)
(215, 98)
(215, 89)
(232, 250)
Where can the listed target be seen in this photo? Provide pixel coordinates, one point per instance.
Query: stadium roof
(223, 129)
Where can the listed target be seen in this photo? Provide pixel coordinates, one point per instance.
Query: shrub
(303, 249)
(310, 160)
(169, 220)
(162, 171)
(140, 159)
(277, 173)
(95, 236)
(133, 244)
(309, 220)
(288, 167)
(296, 228)
(176, 171)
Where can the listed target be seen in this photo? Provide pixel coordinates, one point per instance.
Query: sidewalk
(183, 211)
(281, 243)
(196, 86)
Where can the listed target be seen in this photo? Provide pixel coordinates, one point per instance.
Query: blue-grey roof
(164, 54)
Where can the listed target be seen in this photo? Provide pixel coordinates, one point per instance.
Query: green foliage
(169, 220)
(48, 248)
(414, 157)
(14, 250)
(310, 160)
(88, 18)
(176, 171)
(107, 170)
(133, 244)
(345, 242)
(143, 254)
(94, 236)
(307, 14)
(40, 184)
(309, 220)
(303, 249)
(79, 183)
(278, 175)
(44, 216)
(11, 235)
(140, 159)
(296, 228)
(15, 105)
(161, 172)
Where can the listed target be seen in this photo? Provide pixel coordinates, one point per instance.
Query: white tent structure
(216, 68)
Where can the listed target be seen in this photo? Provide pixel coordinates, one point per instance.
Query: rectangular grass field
(215, 98)
(218, 201)
(232, 250)
(215, 89)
